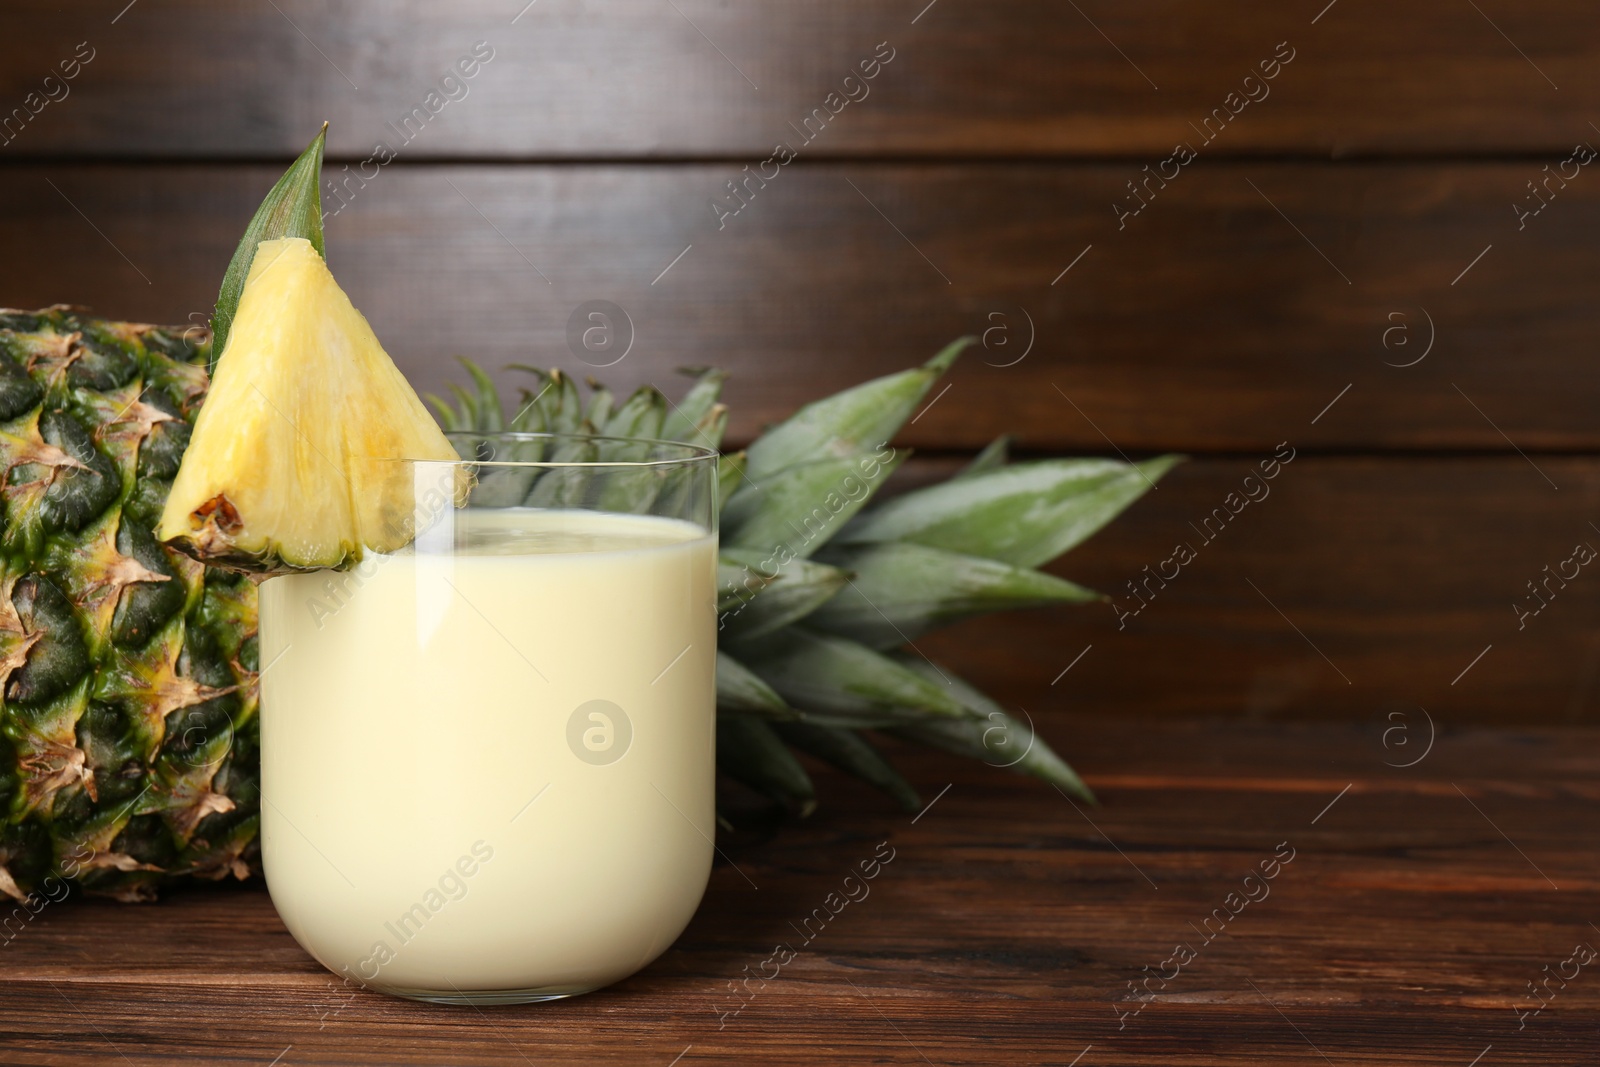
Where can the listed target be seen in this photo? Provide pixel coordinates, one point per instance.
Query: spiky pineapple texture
(127, 671)
(821, 595)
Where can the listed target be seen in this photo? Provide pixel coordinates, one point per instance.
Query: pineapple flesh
(127, 670)
(292, 461)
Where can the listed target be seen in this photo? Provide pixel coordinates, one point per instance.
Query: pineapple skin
(128, 732)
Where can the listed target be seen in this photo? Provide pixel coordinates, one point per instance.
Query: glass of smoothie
(488, 755)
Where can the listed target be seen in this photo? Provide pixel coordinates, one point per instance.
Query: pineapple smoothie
(489, 769)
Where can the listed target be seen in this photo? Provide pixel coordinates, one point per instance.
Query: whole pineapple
(127, 670)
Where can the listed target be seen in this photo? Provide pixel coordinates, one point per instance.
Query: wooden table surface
(1418, 906)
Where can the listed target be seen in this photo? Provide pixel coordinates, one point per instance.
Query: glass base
(484, 998)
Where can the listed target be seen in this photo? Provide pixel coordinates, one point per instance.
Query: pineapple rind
(122, 663)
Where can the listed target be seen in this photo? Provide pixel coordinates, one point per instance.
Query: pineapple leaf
(639, 416)
(730, 472)
(994, 456)
(1000, 741)
(1025, 514)
(736, 583)
(688, 412)
(786, 593)
(468, 408)
(490, 417)
(506, 486)
(739, 689)
(902, 589)
(503, 487)
(447, 414)
(564, 487)
(601, 403)
(992, 735)
(709, 430)
(851, 753)
(528, 417)
(845, 683)
(563, 411)
(796, 513)
(864, 417)
(749, 752)
(534, 413)
(293, 208)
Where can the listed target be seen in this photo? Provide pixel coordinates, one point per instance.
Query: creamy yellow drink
(489, 769)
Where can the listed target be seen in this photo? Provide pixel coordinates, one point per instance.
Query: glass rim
(690, 453)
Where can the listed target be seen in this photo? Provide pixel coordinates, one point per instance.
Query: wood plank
(185, 78)
(1206, 323)
(1404, 930)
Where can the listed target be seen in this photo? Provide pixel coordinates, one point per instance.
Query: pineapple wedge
(289, 465)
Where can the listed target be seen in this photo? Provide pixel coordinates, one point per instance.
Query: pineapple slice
(290, 465)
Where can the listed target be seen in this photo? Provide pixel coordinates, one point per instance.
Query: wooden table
(1418, 905)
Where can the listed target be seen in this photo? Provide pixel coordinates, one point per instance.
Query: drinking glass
(487, 755)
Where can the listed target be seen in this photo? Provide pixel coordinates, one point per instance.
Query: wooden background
(1358, 216)
(1006, 930)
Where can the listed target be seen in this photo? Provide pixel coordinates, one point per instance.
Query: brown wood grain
(1207, 323)
(1369, 197)
(1418, 905)
(186, 78)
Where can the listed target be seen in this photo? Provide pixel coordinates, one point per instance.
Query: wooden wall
(1357, 231)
